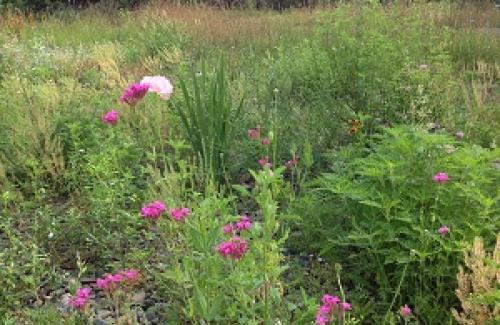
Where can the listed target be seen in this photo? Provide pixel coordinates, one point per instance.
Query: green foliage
(378, 212)
(218, 289)
(23, 267)
(208, 117)
(362, 61)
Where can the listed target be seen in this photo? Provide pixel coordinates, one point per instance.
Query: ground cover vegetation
(172, 164)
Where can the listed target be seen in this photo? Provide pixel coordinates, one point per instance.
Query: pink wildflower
(459, 135)
(264, 162)
(134, 93)
(153, 210)
(440, 178)
(80, 299)
(254, 133)
(321, 319)
(346, 306)
(179, 214)
(244, 223)
(159, 85)
(110, 117)
(330, 300)
(227, 229)
(266, 142)
(443, 230)
(236, 247)
(130, 275)
(405, 311)
(102, 283)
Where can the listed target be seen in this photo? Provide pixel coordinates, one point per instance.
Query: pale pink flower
(440, 178)
(159, 85)
(266, 141)
(443, 230)
(405, 311)
(459, 135)
(424, 67)
(110, 117)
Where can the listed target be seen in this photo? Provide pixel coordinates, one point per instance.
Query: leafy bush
(378, 213)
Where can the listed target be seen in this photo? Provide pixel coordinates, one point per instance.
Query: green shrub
(378, 213)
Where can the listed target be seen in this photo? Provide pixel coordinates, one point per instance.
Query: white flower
(159, 85)
(50, 235)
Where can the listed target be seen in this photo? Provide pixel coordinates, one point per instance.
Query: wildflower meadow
(249, 162)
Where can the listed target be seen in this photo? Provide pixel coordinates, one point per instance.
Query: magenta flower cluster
(443, 230)
(179, 214)
(236, 247)
(405, 311)
(440, 178)
(110, 117)
(244, 223)
(134, 93)
(80, 299)
(112, 282)
(153, 210)
(330, 305)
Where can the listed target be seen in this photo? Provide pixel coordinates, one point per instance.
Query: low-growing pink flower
(153, 210)
(459, 135)
(405, 311)
(321, 319)
(330, 300)
(264, 162)
(179, 214)
(346, 306)
(266, 141)
(134, 93)
(244, 223)
(227, 229)
(440, 178)
(80, 299)
(443, 230)
(159, 85)
(254, 133)
(236, 247)
(102, 283)
(110, 117)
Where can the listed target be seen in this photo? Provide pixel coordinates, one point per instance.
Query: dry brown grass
(236, 27)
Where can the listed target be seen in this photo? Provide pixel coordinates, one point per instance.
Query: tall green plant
(207, 116)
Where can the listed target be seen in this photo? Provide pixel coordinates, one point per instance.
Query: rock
(138, 298)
